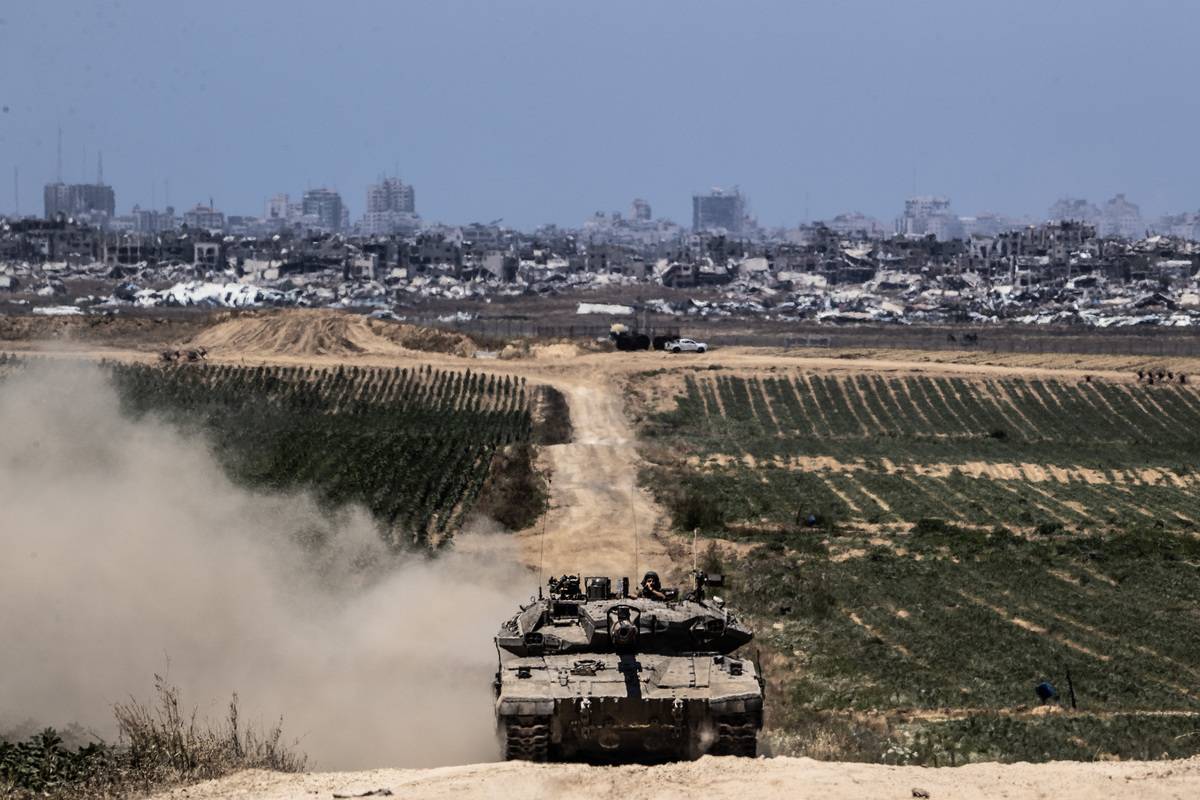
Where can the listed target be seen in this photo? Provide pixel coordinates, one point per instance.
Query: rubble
(58, 311)
(201, 294)
(1053, 274)
(608, 309)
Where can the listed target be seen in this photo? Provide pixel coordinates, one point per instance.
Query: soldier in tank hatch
(652, 587)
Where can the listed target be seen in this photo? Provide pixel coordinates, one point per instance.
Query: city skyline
(158, 202)
(391, 209)
(545, 113)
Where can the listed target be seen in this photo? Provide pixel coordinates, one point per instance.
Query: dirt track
(595, 504)
(713, 778)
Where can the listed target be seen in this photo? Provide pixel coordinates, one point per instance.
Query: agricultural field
(886, 450)
(927, 648)
(418, 447)
(919, 552)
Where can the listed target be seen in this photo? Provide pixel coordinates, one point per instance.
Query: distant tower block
(719, 210)
(639, 210)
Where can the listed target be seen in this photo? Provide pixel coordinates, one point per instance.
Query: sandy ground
(595, 509)
(600, 522)
(714, 778)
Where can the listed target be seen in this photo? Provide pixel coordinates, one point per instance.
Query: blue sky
(548, 111)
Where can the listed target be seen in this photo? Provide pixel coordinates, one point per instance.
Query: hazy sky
(549, 111)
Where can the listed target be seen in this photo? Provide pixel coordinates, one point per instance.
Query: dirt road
(715, 778)
(600, 522)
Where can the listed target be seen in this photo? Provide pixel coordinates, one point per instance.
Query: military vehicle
(625, 338)
(591, 673)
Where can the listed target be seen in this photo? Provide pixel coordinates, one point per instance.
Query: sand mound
(430, 340)
(559, 350)
(322, 332)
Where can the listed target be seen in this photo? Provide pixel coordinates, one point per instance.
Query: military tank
(589, 672)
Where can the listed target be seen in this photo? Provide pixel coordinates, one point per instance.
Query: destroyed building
(719, 210)
(325, 207)
(79, 200)
(847, 271)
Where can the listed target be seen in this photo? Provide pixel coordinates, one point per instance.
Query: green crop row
(779, 498)
(907, 442)
(928, 418)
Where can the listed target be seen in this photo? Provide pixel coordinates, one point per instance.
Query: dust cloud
(126, 551)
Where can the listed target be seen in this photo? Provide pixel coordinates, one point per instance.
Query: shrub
(819, 598)
(1049, 528)
(824, 518)
(514, 494)
(932, 525)
(695, 510)
(552, 417)
(1002, 536)
(711, 562)
(810, 544)
(42, 765)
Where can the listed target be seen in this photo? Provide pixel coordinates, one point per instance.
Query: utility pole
(16, 193)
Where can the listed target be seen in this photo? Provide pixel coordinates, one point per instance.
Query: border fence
(1143, 341)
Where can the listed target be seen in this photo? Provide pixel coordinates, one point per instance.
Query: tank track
(528, 741)
(736, 736)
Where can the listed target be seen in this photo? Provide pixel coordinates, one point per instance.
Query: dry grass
(165, 744)
(160, 744)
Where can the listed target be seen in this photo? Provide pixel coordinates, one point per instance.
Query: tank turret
(588, 670)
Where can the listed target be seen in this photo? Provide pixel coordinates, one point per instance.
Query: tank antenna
(636, 540)
(694, 549)
(542, 555)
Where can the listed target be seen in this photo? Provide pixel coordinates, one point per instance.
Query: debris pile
(1054, 274)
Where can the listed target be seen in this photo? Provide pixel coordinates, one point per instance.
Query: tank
(588, 672)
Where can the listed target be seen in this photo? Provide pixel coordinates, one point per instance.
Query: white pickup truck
(686, 346)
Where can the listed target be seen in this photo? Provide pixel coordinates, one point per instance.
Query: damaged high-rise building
(79, 199)
(1117, 218)
(325, 207)
(719, 210)
(391, 208)
(927, 215)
